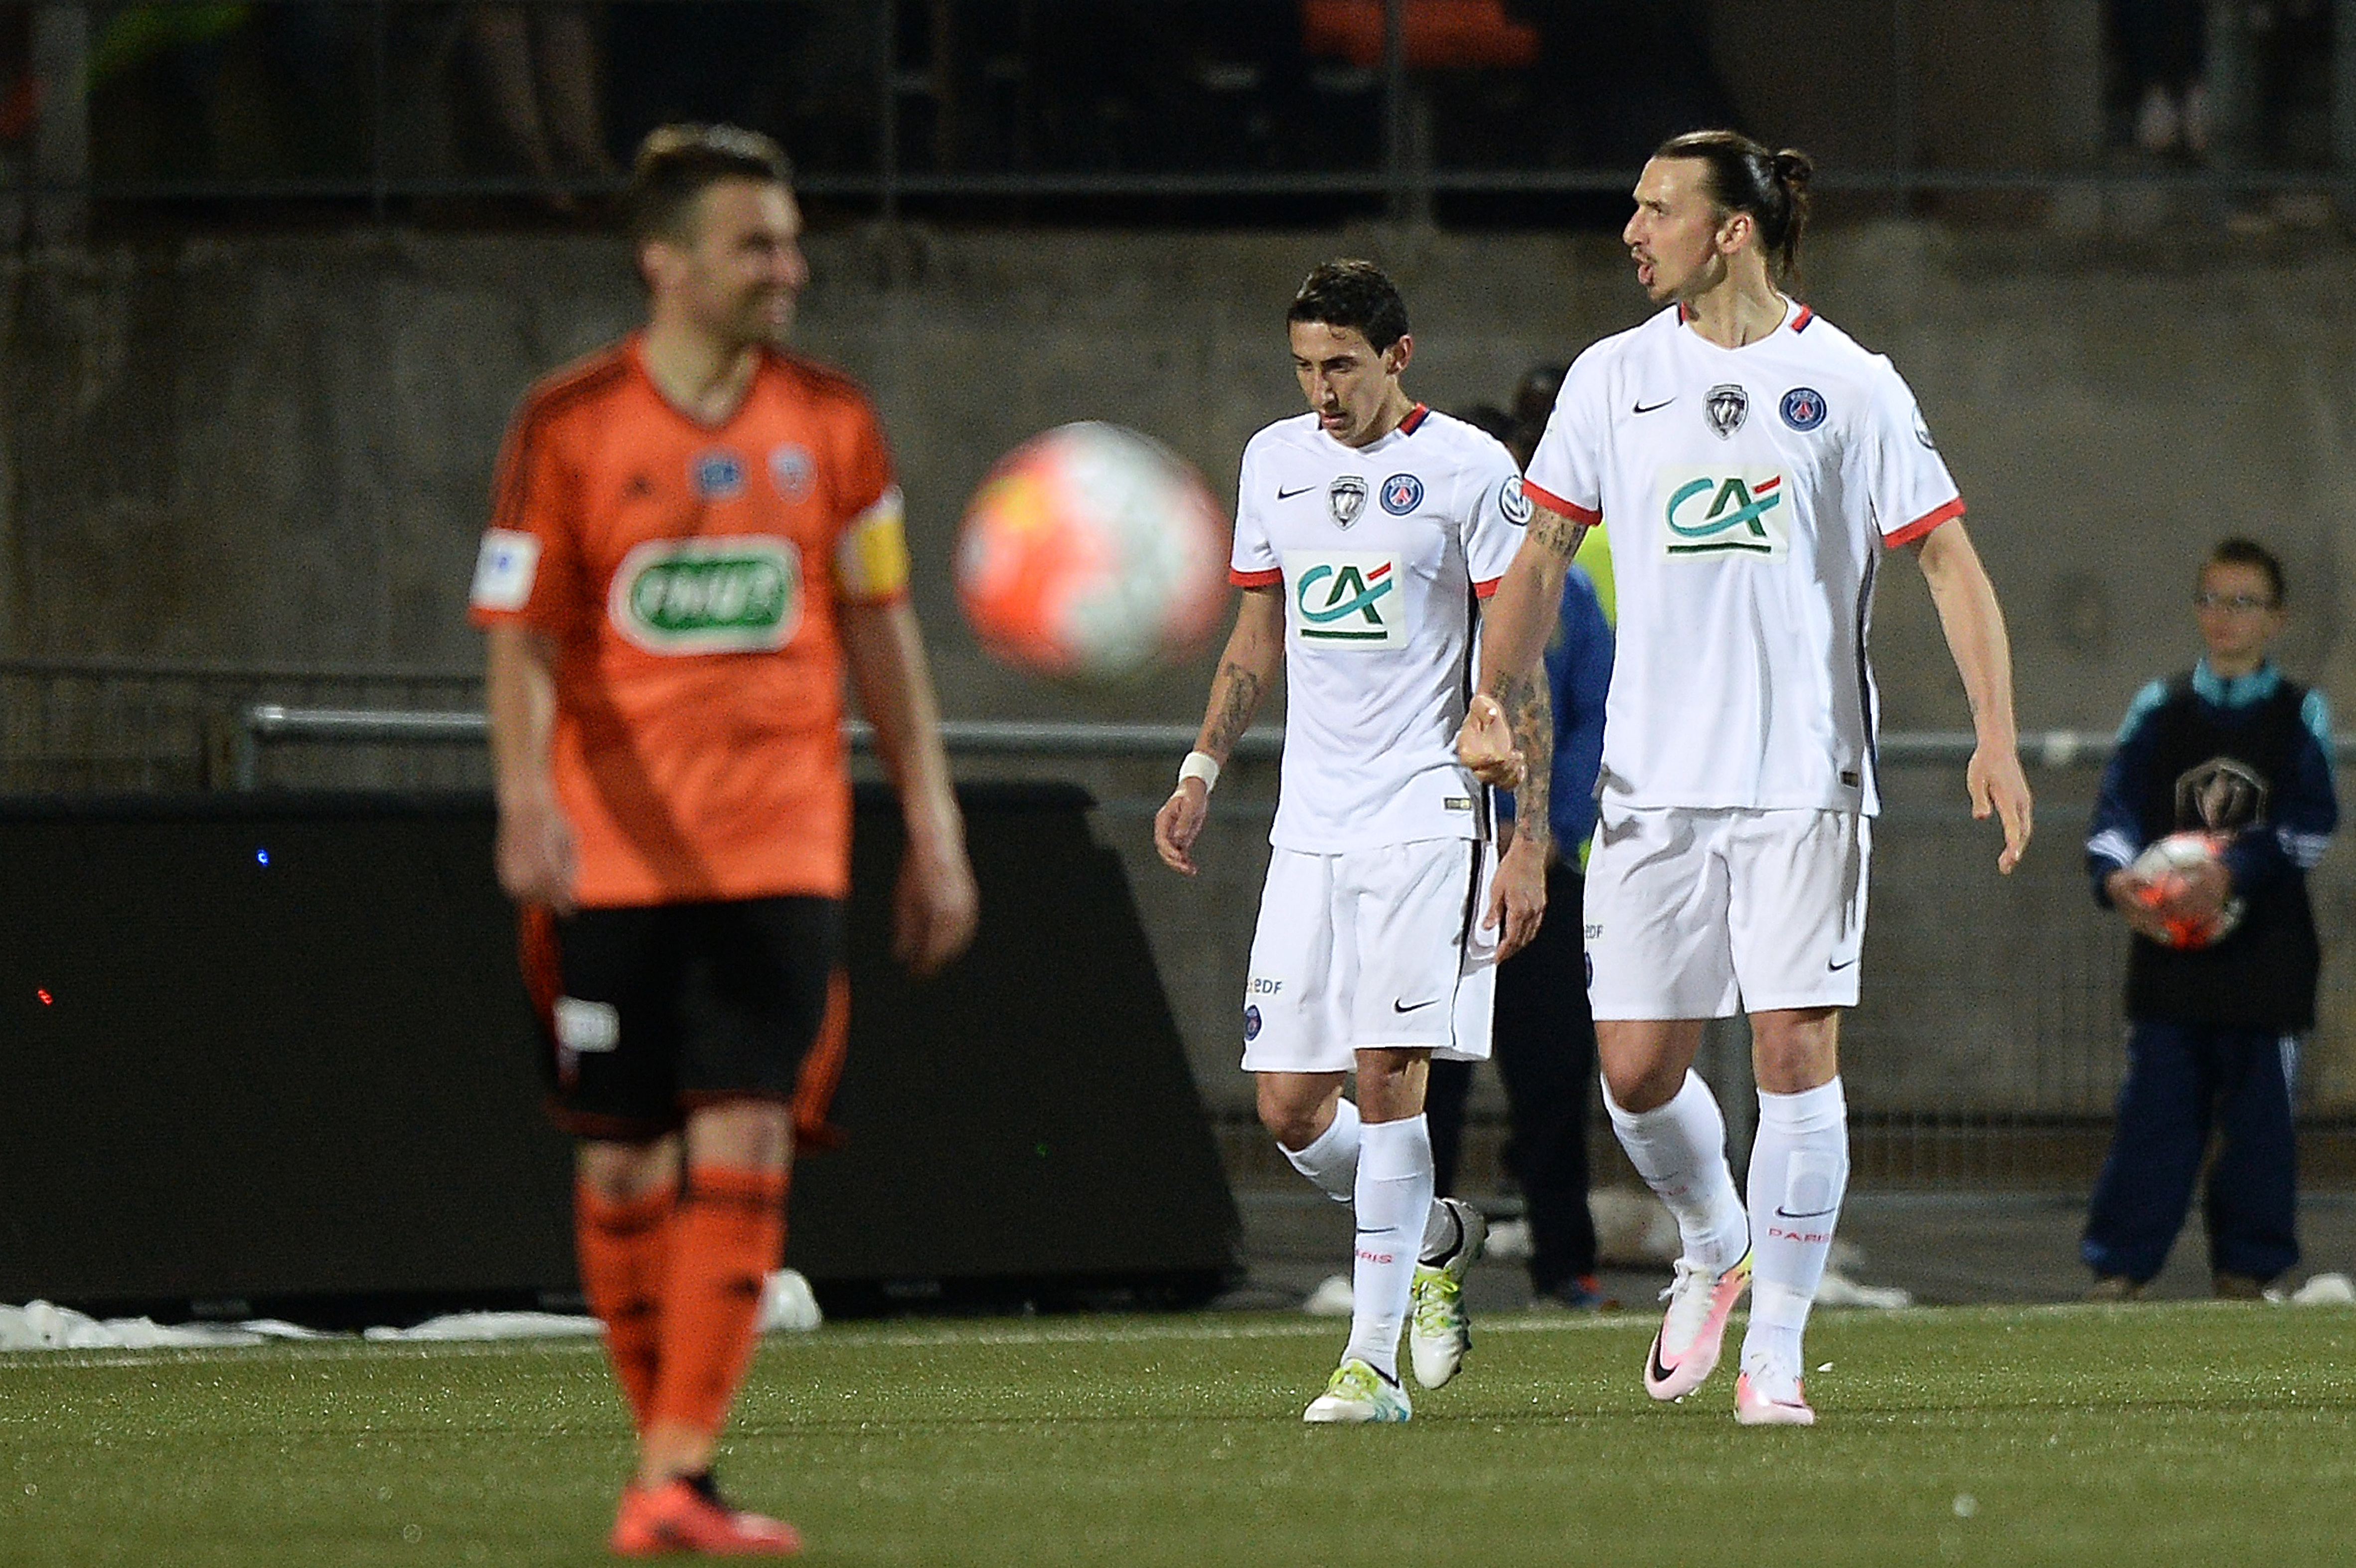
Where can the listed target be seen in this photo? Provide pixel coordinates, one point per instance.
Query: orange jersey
(691, 579)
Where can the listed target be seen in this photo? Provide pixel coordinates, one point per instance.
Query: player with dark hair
(2233, 750)
(692, 532)
(1752, 461)
(1366, 532)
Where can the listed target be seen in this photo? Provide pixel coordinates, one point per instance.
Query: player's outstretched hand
(1179, 821)
(534, 854)
(935, 907)
(1517, 896)
(1485, 745)
(1998, 785)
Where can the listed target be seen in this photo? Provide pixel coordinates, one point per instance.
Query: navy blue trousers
(1543, 1041)
(2185, 1081)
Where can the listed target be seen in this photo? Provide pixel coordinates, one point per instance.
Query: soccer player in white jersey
(1366, 532)
(1752, 463)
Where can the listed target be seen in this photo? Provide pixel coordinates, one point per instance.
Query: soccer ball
(1092, 554)
(2163, 868)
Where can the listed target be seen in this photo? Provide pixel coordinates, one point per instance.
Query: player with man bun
(1752, 463)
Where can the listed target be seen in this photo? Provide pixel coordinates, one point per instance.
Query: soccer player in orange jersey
(693, 531)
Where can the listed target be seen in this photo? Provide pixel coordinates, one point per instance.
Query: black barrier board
(273, 1049)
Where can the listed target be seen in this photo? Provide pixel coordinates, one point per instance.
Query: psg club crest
(1402, 493)
(1345, 497)
(719, 477)
(1803, 408)
(1727, 406)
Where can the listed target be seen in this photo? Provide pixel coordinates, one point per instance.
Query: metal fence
(1986, 1053)
(1310, 109)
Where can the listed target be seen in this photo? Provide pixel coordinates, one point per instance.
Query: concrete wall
(278, 448)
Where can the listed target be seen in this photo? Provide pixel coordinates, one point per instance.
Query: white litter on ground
(2325, 1289)
(787, 1306)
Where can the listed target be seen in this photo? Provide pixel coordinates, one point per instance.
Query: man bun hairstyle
(1744, 177)
(677, 164)
(1351, 293)
(2237, 550)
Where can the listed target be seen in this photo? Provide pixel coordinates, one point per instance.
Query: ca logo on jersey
(1346, 598)
(729, 594)
(1711, 511)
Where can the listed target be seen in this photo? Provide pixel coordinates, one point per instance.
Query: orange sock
(729, 1233)
(625, 1254)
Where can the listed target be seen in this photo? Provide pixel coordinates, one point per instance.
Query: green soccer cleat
(1356, 1393)
(1439, 1330)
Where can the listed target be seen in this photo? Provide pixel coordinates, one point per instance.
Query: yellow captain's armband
(871, 562)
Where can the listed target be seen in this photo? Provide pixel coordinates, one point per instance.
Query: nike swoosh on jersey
(1649, 407)
(1837, 968)
(1399, 1006)
(1284, 495)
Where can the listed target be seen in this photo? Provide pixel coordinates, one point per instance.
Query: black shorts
(650, 1010)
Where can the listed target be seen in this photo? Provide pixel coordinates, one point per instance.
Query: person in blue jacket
(1543, 1039)
(2234, 750)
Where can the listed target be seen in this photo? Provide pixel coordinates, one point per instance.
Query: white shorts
(1698, 914)
(1375, 949)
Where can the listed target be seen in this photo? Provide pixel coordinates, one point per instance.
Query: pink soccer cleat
(1684, 1351)
(688, 1516)
(1769, 1401)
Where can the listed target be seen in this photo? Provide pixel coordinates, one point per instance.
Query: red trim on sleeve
(1487, 590)
(1924, 524)
(1552, 502)
(1254, 579)
(1800, 322)
(1414, 416)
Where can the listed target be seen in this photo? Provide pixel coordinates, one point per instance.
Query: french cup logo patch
(727, 594)
(1345, 497)
(1726, 407)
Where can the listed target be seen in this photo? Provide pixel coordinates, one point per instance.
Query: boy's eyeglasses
(2240, 603)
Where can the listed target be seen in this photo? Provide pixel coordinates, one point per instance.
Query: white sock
(1680, 1149)
(1799, 1170)
(1332, 1159)
(1395, 1183)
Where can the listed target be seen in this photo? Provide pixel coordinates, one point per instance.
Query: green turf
(2141, 1435)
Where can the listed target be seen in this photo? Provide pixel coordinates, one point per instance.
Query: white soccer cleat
(1438, 1329)
(1685, 1350)
(1357, 1393)
(1772, 1398)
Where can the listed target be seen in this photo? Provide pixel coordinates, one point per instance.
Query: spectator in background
(538, 70)
(1545, 1039)
(2163, 54)
(2235, 750)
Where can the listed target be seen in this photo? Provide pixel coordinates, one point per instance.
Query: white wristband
(1200, 765)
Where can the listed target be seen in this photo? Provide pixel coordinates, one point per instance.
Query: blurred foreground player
(2235, 751)
(1753, 462)
(692, 530)
(1366, 532)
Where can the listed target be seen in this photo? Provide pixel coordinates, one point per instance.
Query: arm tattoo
(1556, 533)
(1529, 709)
(1235, 698)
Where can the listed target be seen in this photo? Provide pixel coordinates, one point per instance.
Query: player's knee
(1642, 1086)
(1294, 1118)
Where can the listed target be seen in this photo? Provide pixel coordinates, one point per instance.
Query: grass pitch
(2140, 1435)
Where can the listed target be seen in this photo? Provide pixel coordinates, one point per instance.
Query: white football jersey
(1382, 552)
(1748, 493)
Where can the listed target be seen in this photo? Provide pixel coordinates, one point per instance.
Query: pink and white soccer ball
(1092, 553)
(2163, 868)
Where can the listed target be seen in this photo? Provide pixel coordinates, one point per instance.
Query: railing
(961, 104)
(1986, 1052)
